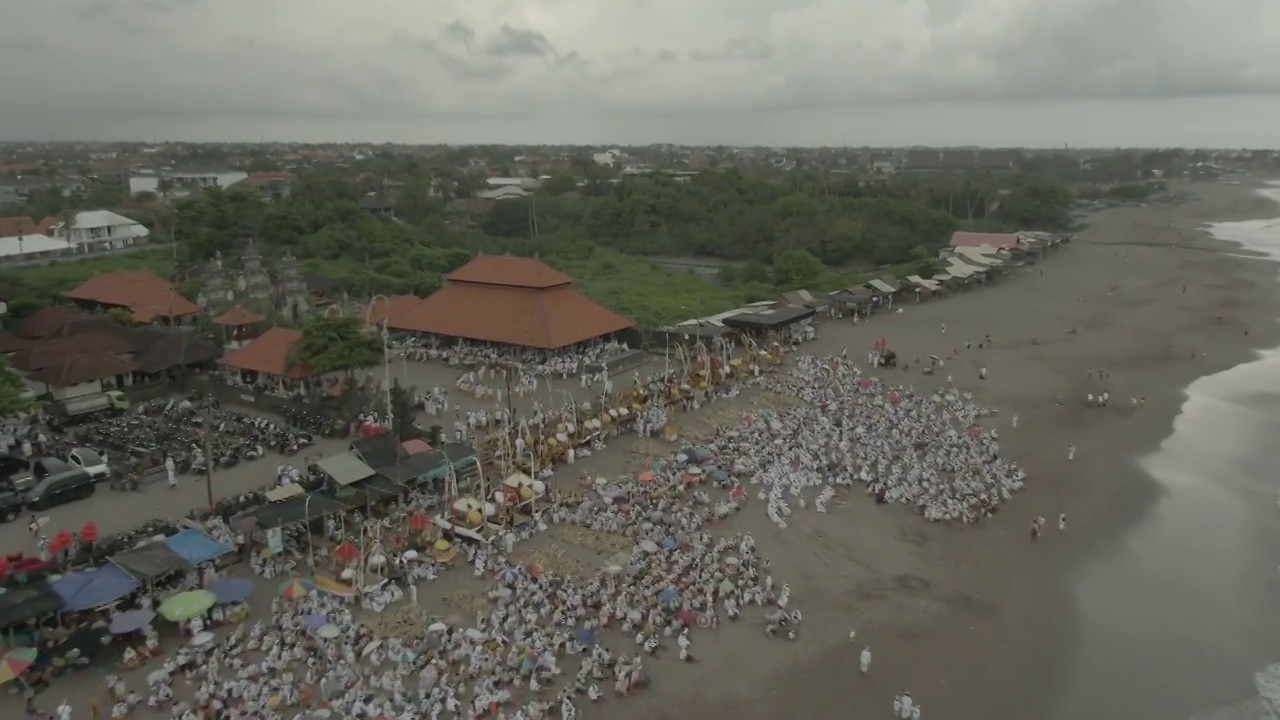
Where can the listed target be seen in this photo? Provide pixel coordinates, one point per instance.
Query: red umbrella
(346, 552)
(4, 565)
(89, 533)
(534, 569)
(61, 541)
(418, 521)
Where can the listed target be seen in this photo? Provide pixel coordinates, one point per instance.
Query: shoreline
(1004, 639)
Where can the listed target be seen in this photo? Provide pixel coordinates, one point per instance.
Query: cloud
(81, 64)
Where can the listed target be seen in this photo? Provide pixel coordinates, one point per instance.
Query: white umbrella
(328, 632)
(368, 649)
(612, 569)
(203, 638)
(648, 546)
(437, 627)
(410, 554)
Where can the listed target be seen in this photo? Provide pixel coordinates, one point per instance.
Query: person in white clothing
(1071, 452)
(864, 660)
(170, 471)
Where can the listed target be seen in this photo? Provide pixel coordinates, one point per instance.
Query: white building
(97, 230)
(184, 181)
(608, 159)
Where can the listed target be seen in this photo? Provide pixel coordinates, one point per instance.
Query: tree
(13, 398)
(333, 344)
(794, 269)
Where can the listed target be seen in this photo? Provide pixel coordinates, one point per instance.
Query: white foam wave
(1260, 236)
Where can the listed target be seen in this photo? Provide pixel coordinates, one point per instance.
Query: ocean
(1179, 621)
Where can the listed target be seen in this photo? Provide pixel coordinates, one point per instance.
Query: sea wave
(1263, 237)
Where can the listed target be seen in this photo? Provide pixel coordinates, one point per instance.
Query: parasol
(410, 554)
(295, 588)
(688, 618)
(645, 477)
(648, 546)
(726, 586)
(202, 638)
(131, 621)
(187, 605)
(346, 552)
(586, 637)
(442, 545)
(368, 649)
(534, 569)
(315, 621)
(668, 596)
(418, 521)
(668, 543)
(16, 662)
(60, 542)
(230, 590)
(437, 627)
(89, 533)
(4, 565)
(328, 632)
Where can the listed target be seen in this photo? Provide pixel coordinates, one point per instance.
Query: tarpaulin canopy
(431, 465)
(27, 602)
(195, 547)
(294, 510)
(345, 468)
(94, 587)
(380, 485)
(150, 561)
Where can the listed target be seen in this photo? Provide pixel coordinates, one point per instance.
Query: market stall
(94, 587)
(151, 562)
(196, 547)
(27, 602)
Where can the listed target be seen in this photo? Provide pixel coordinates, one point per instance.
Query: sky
(995, 73)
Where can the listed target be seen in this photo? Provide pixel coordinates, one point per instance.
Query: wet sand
(981, 622)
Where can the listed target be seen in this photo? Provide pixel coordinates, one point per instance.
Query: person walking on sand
(943, 327)
(864, 660)
(170, 472)
(982, 373)
(1062, 522)
(1015, 420)
(1071, 452)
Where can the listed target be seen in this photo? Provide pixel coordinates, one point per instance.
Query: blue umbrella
(231, 590)
(668, 543)
(668, 596)
(131, 621)
(316, 620)
(586, 637)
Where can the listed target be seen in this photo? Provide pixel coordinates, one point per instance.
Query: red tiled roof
(975, 239)
(41, 354)
(261, 178)
(548, 319)
(46, 321)
(82, 368)
(142, 292)
(511, 271)
(269, 353)
(16, 225)
(237, 316)
(394, 306)
(10, 342)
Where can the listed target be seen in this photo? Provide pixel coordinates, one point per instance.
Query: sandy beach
(977, 622)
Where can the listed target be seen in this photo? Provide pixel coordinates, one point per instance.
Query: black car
(15, 468)
(11, 503)
(63, 487)
(27, 477)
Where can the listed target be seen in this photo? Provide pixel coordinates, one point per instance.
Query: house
(378, 204)
(607, 159)
(22, 225)
(1005, 241)
(144, 294)
(184, 182)
(269, 186)
(495, 183)
(97, 230)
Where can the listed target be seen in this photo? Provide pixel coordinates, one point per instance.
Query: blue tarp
(94, 587)
(195, 547)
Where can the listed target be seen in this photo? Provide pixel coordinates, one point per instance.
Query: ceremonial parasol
(295, 588)
(668, 596)
(131, 621)
(315, 621)
(726, 586)
(16, 662)
(89, 533)
(4, 565)
(187, 605)
(328, 632)
(60, 542)
(346, 552)
(646, 476)
(534, 569)
(418, 521)
(230, 590)
(586, 637)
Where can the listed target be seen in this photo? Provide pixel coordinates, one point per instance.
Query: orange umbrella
(646, 476)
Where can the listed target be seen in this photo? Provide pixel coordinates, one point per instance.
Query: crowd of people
(563, 363)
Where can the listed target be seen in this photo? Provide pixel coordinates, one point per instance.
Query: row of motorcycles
(140, 442)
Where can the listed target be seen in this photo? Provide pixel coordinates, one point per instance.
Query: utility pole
(208, 453)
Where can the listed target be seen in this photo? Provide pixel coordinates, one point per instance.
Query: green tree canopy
(333, 344)
(12, 390)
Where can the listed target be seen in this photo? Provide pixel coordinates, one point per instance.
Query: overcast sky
(794, 72)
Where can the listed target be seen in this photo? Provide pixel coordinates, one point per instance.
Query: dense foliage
(331, 344)
(13, 398)
(768, 235)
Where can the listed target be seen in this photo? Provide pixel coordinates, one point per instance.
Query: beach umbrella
(230, 590)
(688, 618)
(131, 621)
(418, 521)
(328, 632)
(668, 543)
(186, 605)
(295, 588)
(346, 552)
(668, 596)
(645, 477)
(16, 662)
(410, 554)
(534, 569)
(726, 586)
(315, 621)
(586, 637)
(442, 545)
(648, 546)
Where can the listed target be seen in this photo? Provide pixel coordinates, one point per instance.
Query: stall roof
(345, 468)
(380, 484)
(295, 510)
(770, 319)
(27, 602)
(427, 463)
(195, 547)
(94, 587)
(284, 492)
(150, 561)
(376, 450)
